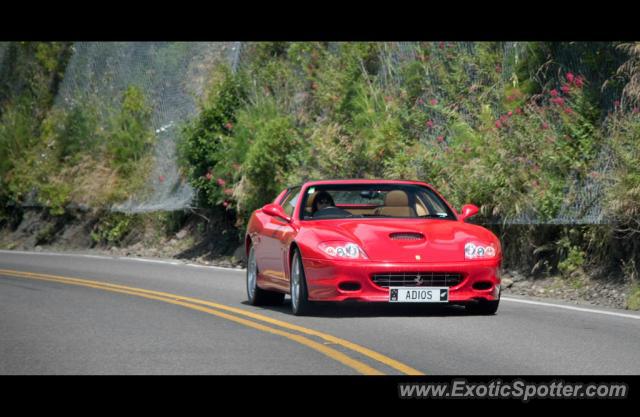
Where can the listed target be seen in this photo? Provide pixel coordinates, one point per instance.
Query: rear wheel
(256, 295)
(300, 304)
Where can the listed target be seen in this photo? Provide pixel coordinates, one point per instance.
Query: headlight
(479, 251)
(344, 250)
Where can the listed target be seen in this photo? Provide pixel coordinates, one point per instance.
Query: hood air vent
(406, 236)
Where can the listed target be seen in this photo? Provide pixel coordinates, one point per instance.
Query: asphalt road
(79, 314)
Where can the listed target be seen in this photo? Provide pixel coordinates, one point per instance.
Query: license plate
(419, 295)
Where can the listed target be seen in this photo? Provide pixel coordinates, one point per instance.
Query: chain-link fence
(583, 196)
(172, 76)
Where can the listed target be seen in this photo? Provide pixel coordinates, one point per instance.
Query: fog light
(482, 285)
(349, 286)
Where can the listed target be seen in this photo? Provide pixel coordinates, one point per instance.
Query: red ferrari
(370, 240)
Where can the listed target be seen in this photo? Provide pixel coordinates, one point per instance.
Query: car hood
(443, 240)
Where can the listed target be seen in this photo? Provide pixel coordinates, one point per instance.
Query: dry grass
(633, 301)
(631, 70)
(95, 183)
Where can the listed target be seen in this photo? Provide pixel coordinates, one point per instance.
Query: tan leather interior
(310, 199)
(396, 203)
(421, 210)
(360, 211)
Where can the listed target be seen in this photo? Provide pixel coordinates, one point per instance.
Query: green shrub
(256, 159)
(18, 133)
(113, 228)
(33, 70)
(55, 196)
(46, 234)
(199, 148)
(633, 301)
(77, 133)
(29, 79)
(623, 195)
(270, 158)
(131, 136)
(18, 142)
(573, 261)
(572, 257)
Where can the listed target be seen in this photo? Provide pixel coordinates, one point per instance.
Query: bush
(33, 70)
(633, 301)
(77, 132)
(269, 160)
(131, 136)
(623, 194)
(55, 196)
(18, 140)
(46, 234)
(573, 261)
(200, 146)
(113, 228)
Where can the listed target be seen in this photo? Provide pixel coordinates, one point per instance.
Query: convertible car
(381, 241)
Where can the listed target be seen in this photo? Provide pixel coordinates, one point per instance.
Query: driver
(322, 200)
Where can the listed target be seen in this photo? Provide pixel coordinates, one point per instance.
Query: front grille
(417, 279)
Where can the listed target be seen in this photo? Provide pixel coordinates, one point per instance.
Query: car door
(260, 230)
(288, 234)
(275, 231)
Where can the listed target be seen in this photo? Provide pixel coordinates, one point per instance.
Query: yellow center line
(392, 363)
(330, 352)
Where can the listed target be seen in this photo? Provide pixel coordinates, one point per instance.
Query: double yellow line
(238, 316)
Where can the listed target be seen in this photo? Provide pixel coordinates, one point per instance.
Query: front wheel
(256, 295)
(483, 308)
(300, 304)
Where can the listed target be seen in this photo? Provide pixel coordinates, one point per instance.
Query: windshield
(334, 201)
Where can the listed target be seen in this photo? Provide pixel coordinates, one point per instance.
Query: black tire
(300, 305)
(483, 308)
(256, 295)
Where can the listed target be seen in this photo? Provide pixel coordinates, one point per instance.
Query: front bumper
(324, 279)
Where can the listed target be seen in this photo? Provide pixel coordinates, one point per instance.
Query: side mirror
(468, 210)
(276, 211)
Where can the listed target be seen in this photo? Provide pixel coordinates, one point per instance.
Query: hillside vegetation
(521, 131)
(517, 134)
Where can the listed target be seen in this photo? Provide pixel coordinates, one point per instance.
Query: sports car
(385, 241)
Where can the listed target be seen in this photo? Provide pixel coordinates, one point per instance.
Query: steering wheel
(331, 211)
